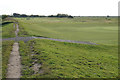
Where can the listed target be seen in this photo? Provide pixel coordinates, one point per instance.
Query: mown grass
(68, 60)
(6, 50)
(93, 29)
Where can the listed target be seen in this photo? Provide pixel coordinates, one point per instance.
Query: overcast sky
(71, 7)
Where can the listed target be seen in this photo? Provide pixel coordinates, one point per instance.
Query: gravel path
(25, 39)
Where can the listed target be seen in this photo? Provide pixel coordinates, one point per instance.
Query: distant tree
(34, 15)
(42, 16)
(23, 15)
(108, 17)
(52, 16)
(16, 15)
(58, 15)
(4, 16)
(70, 16)
(62, 15)
(31, 16)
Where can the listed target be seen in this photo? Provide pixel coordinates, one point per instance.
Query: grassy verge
(0, 59)
(6, 50)
(8, 30)
(67, 60)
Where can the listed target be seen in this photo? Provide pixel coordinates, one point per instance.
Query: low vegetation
(0, 59)
(8, 30)
(6, 50)
(68, 60)
(42, 58)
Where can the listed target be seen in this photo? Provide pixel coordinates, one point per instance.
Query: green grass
(0, 59)
(8, 30)
(92, 29)
(68, 60)
(6, 50)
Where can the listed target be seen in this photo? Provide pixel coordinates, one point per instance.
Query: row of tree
(4, 16)
(58, 15)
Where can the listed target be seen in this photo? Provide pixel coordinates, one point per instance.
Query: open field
(93, 29)
(41, 58)
(68, 60)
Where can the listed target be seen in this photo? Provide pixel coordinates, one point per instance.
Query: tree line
(58, 15)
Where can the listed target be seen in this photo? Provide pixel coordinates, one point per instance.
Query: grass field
(8, 30)
(68, 60)
(92, 29)
(0, 59)
(62, 59)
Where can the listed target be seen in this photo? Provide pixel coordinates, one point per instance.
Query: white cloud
(73, 7)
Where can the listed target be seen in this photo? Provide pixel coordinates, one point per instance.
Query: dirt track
(14, 66)
(17, 30)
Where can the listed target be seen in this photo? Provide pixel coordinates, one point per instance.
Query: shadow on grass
(40, 36)
(5, 23)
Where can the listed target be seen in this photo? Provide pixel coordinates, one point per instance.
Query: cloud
(73, 7)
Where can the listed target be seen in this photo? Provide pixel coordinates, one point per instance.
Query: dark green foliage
(4, 16)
